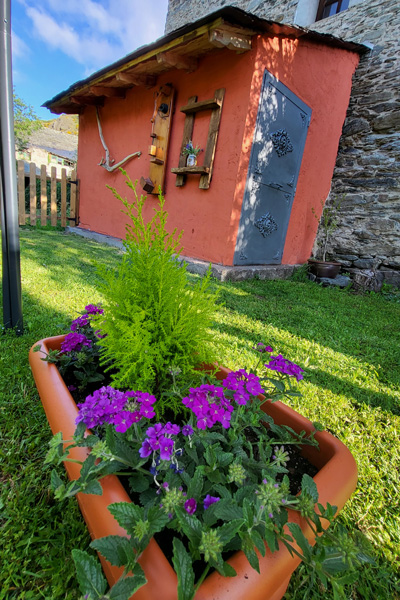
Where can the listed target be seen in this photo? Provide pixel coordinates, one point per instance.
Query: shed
(265, 101)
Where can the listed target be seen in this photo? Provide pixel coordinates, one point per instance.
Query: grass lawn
(348, 344)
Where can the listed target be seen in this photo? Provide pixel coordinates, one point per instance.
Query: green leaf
(223, 458)
(196, 485)
(55, 481)
(157, 518)
(190, 524)
(227, 531)
(258, 541)
(93, 487)
(127, 514)
(226, 570)
(252, 557)
(138, 483)
(126, 587)
(309, 486)
(115, 548)
(248, 512)
(87, 467)
(301, 540)
(210, 455)
(89, 574)
(184, 570)
(227, 510)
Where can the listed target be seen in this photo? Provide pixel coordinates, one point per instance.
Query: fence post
(32, 193)
(63, 197)
(21, 193)
(72, 199)
(43, 196)
(53, 205)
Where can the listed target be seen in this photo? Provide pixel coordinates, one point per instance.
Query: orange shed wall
(319, 75)
(204, 215)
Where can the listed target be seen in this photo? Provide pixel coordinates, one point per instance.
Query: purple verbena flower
(80, 322)
(190, 506)
(243, 384)
(208, 500)
(92, 309)
(261, 347)
(74, 342)
(285, 366)
(209, 405)
(187, 430)
(101, 407)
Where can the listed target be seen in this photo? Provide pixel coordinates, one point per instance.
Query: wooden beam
(87, 100)
(178, 61)
(228, 37)
(108, 92)
(148, 81)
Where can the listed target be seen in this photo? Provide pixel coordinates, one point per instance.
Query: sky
(58, 42)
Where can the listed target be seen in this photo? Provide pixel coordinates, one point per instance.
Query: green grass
(348, 344)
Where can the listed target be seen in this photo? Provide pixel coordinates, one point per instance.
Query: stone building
(366, 174)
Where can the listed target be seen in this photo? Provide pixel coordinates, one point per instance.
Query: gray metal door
(279, 139)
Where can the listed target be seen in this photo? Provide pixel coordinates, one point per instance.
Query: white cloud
(97, 32)
(19, 48)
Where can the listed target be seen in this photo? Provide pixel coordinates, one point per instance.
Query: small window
(327, 8)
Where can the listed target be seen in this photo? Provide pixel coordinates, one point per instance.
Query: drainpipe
(12, 301)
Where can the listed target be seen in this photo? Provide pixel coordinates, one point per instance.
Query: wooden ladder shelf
(205, 170)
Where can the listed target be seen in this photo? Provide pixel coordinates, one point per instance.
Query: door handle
(276, 186)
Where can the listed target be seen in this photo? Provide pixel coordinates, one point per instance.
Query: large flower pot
(321, 268)
(336, 481)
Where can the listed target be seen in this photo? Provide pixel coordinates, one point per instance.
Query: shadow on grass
(366, 328)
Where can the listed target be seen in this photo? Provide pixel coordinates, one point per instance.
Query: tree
(25, 122)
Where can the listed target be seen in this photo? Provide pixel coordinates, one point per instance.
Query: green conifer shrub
(154, 318)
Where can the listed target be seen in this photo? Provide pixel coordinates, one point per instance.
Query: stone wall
(182, 12)
(368, 163)
(367, 168)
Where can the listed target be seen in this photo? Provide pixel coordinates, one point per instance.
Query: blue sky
(58, 42)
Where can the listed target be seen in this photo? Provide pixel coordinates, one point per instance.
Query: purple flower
(166, 448)
(124, 420)
(80, 322)
(187, 430)
(208, 500)
(282, 365)
(74, 342)
(92, 309)
(209, 405)
(145, 450)
(243, 384)
(191, 506)
(261, 347)
(101, 407)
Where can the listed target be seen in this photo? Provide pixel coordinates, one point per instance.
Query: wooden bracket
(148, 81)
(179, 61)
(190, 109)
(108, 92)
(231, 38)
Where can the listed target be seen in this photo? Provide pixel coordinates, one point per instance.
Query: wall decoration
(281, 142)
(266, 224)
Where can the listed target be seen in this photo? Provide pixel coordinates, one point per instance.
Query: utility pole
(12, 300)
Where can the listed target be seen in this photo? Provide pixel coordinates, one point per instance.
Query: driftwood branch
(105, 162)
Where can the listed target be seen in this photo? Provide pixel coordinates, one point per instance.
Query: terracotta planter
(336, 481)
(322, 268)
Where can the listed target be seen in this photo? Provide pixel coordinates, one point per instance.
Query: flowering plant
(214, 480)
(190, 149)
(208, 470)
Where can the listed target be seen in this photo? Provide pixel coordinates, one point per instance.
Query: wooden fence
(45, 204)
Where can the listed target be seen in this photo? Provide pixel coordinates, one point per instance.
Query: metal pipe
(12, 299)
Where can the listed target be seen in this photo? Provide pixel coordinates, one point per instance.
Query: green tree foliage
(154, 317)
(25, 122)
